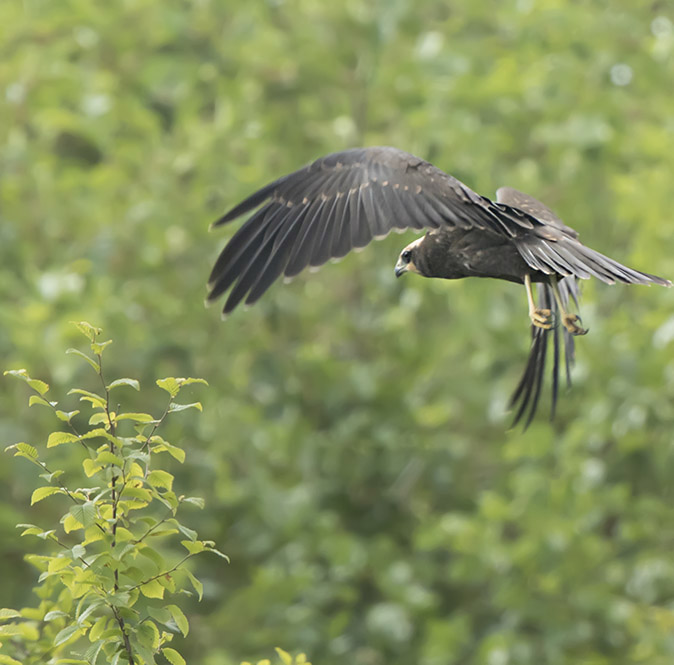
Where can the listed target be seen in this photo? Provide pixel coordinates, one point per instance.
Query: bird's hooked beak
(401, 267)
(405, 262)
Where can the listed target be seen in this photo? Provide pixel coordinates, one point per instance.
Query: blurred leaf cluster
(354, 447)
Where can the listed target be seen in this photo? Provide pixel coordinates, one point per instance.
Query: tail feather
(527, 394)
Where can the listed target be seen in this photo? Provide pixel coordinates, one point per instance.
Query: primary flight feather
(342, 201)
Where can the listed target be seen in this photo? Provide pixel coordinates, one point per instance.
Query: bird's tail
(526, 396)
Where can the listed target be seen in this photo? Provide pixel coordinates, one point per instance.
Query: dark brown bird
(342, 201)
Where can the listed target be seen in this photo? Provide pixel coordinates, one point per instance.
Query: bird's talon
(571, 321)
(541, 318)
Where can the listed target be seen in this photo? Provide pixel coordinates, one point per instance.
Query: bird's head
(407, 257)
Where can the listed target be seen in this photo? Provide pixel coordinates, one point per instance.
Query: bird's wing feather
(339, 203)
(552, 247)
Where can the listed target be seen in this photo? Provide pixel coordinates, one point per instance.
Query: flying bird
(344, 200)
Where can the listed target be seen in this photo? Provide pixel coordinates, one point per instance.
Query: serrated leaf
(58, 438)
(102, 433)
(152, 589)
(170, 385)
(36, 399)
(174, 408)
(39, 386)
(84, 356)
(133, 383)
(179, 618)
(85, 513)
(159, 478)
(172, 656)
(43, 492)
(25, 449)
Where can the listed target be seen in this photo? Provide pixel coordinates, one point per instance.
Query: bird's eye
(406, 256)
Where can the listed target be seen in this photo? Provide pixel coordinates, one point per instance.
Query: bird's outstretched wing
(339, 203)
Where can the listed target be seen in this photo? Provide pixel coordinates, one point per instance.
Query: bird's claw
(541, 318)
(571, 321)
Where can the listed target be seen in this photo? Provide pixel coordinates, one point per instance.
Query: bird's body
(342, 201)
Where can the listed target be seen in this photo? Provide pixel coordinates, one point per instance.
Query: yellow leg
(541, 318)
(569, 321)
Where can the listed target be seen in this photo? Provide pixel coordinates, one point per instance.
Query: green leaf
(172, 656)
(7, 613)
(36, 399)
(99, 417)
(152, 589)
(170, 385)
(174, 408)
(87, 396)
(106, 457)
(58, 438)
(198, 586)
(195, 501)
(50, 477)
(91, 654)
(98, 628)
(160, 445)
(23, 450)
(193, 546)
(66, 416)
(84, 356)
(99, 347)
(284, 656)
(8, 660)
(190, 533)
(54, 614)
(65, 634)
(89, 331)
(91, 467)
(179, 618)
(159, 478)
(133, 383)
(43, 492)
(85, 513)
(137, 417)
(38, 385)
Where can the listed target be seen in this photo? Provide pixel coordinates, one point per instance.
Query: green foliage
(109, 572)
(353, 447)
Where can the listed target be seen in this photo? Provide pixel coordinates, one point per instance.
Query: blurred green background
(354, 451)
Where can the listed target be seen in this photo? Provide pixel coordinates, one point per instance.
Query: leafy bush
(110, 581)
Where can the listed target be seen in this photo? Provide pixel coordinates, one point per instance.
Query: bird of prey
(342, 201)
